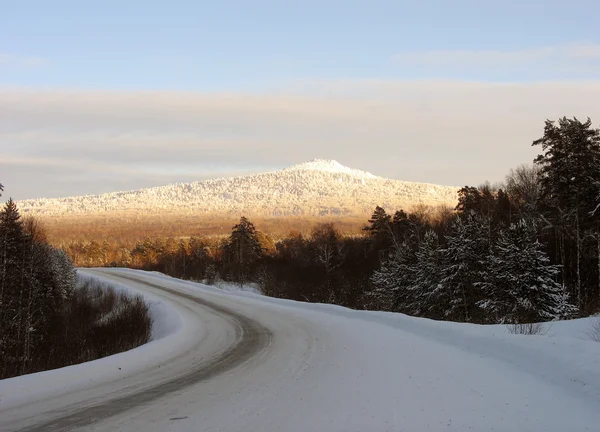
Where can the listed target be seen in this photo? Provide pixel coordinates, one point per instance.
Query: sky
(104, 96)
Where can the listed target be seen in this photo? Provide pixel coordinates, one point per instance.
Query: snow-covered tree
(35, 280)
(570, 184)
(519, 282)
(392, 282)
(426, 281)
(464, 259)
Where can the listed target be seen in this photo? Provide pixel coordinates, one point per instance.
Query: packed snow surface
(327, 368)
(172, 328)
(316, 188)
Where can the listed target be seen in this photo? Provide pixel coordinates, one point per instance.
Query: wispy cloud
(9, 61)
(438, 131)
(578, 56)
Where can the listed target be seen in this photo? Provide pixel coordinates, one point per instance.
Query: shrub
(528, 329)
(594, 332)
(96, 321)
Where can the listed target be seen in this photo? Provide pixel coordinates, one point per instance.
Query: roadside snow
(171, 328)
(336, 369)
(329, 368)
(231, 287)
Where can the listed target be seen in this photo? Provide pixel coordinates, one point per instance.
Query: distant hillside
(319, 188)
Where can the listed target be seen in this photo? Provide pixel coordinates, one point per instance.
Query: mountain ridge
(318, 187)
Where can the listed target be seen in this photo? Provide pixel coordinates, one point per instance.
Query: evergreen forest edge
(523, 252)
(527, 250)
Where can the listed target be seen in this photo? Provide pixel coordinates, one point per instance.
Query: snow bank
(171, 329)
(231, 287)
(333, 368)
(565, 356)
(329, 368)
(165, 320)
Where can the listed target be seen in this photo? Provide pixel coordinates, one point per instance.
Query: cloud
(8, 61)
(578, 57)
(444, 132)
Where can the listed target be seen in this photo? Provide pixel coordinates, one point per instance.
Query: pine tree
(392, 282)
(400, 227)
(379, 222)
(570, 184)
(426, 281)
(243, 251)
(519, 281)
(380, 230)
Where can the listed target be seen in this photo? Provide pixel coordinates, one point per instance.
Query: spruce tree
(426, 281)
(463, 261)
(12, 272)
(519, 282)
(392, 282)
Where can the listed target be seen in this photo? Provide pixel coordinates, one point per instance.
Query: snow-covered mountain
(315, 188)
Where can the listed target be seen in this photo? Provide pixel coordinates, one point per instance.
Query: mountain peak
(316, 188)
(328, 165)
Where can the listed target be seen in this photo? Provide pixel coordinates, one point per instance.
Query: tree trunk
(464, 295)
(27, 336)
(2, 278)
(598, 251)
(581, 300)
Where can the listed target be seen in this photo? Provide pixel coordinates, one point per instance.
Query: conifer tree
(400, 227)
(379, 222)
(392, 282)
(426, 282)
(464, 260)
(519, 283)
(380, 230)
(243, 251)
(35, 281)
(570, 185)
(12, 279)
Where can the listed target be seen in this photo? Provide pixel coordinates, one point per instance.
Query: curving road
(250, 337)
(258, 364)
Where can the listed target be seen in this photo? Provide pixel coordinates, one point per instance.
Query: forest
(50, 318)
(523, 251)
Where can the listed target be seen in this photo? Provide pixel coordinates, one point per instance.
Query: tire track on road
(252, 338)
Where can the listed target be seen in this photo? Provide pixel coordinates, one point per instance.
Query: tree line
(523, 251)
(35, 279)
(48, 319)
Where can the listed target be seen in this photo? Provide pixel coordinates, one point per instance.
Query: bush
(107, 322)
(528, 329)
(96, 321)
(594, 332)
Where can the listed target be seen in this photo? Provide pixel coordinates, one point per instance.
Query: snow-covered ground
(172, 329)
(317, 368)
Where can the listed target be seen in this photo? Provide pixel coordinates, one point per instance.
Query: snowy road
(241, 362)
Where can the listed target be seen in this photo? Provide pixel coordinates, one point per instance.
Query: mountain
(315, 188)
